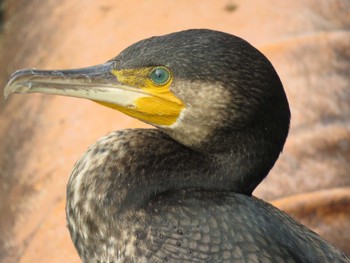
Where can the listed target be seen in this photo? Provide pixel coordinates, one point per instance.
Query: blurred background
(41, 136)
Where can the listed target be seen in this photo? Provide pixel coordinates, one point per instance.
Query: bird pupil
(160, 75)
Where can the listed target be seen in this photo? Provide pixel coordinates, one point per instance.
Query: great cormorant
(182, 192)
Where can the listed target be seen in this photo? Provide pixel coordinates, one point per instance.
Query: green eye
(160, 76)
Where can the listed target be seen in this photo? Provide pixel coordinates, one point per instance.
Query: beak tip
(7, 90)
(14, 84)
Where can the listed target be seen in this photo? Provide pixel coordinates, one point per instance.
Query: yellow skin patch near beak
(159, 106)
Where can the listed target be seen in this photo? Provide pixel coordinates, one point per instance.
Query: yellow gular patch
(159, 106)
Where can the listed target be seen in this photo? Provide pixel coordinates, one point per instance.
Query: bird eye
(160, 76)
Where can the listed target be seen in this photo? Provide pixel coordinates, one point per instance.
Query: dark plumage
(182, 192)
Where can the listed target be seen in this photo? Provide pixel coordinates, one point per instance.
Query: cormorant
(182, 192)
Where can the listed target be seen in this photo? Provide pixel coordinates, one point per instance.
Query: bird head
(204, 88)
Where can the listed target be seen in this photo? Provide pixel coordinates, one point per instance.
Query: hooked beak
(96, 83)
(153, 105)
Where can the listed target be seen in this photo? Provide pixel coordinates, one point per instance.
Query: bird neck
(127, 168)
(122, 172)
